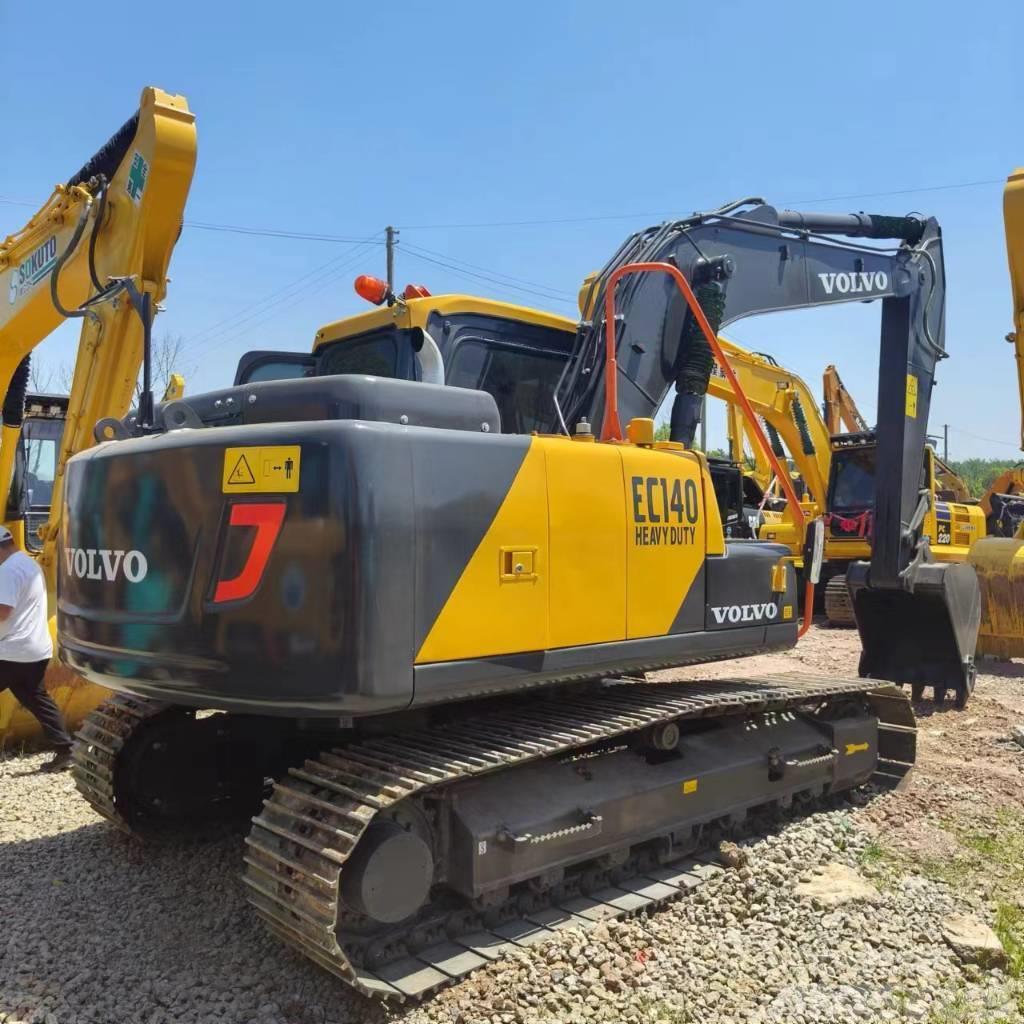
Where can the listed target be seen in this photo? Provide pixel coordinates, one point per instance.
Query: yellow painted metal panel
(272, 469)
(417, 312)
(666, 530)
(999, 563)
(485, 614)
(588, 542)
(911, 396)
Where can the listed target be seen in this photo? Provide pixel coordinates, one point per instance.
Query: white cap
(5, 535)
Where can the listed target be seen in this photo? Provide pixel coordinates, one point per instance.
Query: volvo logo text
(855, 283)
(745, 612)
(104, 564)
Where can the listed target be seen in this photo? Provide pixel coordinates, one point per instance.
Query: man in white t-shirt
(25, 644)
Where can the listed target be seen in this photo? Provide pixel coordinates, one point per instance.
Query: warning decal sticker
(269, 470)
(242, 472)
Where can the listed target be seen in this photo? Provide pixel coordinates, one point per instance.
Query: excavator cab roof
(418, 311)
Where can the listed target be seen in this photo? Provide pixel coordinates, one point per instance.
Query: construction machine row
(417, 574)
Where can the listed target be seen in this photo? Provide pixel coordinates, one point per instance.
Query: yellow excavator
(999, 560)
(841, 415)
(789, 413)
(98, 251)
(836, 470)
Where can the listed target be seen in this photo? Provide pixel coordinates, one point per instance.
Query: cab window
(521, 380)
(376, 356)
(277, 371)
(854, 486)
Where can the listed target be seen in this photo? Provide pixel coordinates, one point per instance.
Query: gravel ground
(95, 929)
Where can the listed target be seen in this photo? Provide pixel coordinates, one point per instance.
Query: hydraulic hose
(14, 400)
(101, 185)
(83, 219)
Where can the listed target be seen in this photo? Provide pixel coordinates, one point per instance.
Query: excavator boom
(750, 258)
(838, 407)
(97, 251)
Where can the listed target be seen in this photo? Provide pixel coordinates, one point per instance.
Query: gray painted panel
(451, 680)
(690, 616)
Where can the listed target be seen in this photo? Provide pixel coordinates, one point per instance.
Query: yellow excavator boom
(999, 561)
(788, 408)
(1013, 219)
(98, 250)
(839, 408)
(786, 403)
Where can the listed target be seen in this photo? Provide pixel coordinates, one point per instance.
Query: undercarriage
(401, 859)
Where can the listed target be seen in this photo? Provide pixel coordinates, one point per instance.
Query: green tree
(979, 473)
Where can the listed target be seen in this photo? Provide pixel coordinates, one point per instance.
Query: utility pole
(945, 442)
(391, 235)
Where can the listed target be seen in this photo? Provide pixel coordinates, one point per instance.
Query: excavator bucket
(999, 564)
(925, 636)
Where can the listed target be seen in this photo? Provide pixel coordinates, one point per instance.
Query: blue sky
(341, 118)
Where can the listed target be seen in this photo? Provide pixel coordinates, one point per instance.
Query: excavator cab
(35, 465)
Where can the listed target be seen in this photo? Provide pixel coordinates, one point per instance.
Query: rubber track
(316, 815)
(98, 742)
(838, 608)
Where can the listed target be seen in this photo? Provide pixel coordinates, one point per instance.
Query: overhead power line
(315, 236)
(217, 332)
(305, 236)
(475, 266)
(313, 287)
(461, 272)
(663, 214)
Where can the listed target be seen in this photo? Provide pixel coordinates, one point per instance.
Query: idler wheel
(389, 874)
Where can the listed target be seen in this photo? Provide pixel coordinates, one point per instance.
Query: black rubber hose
(59, 266)
(96, 225)
(14, 400)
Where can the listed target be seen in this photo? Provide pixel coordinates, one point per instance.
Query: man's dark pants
(25, 680)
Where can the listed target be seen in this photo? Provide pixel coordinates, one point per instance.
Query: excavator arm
(786, 404)
(98, 250)
(749, 258)
(838, 407)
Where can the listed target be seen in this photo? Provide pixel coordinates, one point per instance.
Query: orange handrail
(611, 428)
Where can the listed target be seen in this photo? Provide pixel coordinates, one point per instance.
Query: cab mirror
(814, 550)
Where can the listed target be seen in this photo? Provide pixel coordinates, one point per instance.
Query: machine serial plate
(266, 470)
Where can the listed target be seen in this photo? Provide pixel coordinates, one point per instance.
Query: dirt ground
(968, 783)
(968, 769)
(91, 932)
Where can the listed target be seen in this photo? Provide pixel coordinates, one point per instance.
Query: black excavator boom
(918, 620)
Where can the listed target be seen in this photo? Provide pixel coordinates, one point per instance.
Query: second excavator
(97, 251)
(417, 602)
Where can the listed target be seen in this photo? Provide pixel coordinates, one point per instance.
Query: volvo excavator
(416, 577)
(97, 251)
